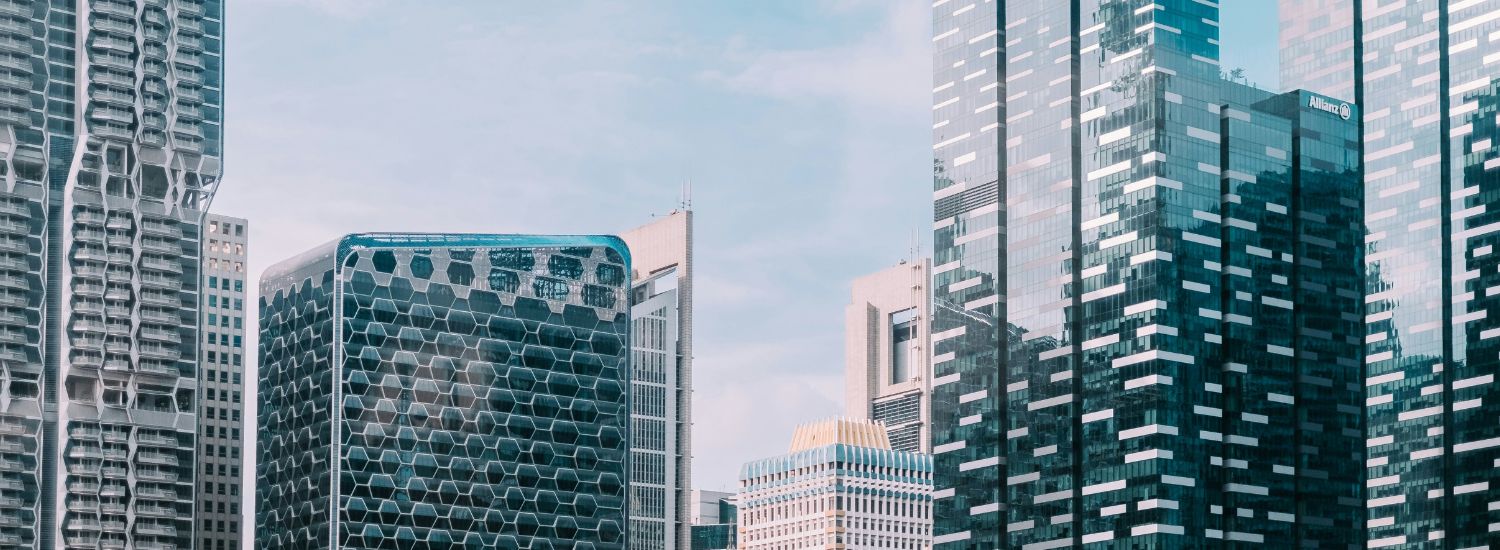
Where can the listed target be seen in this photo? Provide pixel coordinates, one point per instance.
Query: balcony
(86, 360)
(156, 530)
(110, 43)
(84, 235)
(18, 246)
(15, 27)
(124, 28)
(107, 114)
(190, 77)
(189, 43)
(13, 300)
(114, 472)
(114, 61)
(158, 439)
(15, 282)
(192, 61)
(160, 246)
(15, 100)
(193, 26)
(158, 335)
(153, 474)
(111, 131)
(117, 365)
(194, 95)
(114, 97)
(14, 263)
(190, 7)
(16, 64)
(155, 511)
(114, 7)
(159, 264)
(120, 222)
(156, 493)
(190, 146)
(159, 369)
(188, 130)
(160, 317)
(153, 227)
(85, 452)
(14, 208)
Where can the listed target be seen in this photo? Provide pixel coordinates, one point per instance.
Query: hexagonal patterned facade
(445, 391)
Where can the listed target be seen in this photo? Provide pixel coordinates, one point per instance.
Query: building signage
(1342, 109)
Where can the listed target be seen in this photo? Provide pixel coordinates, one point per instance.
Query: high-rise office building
(111, 153)
(221, 383)
(661, 384)
(840, 485)
(1144, 333)
(443, 390)
(1424, 75)
(887, 373)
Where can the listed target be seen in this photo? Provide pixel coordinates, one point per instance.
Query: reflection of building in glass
(1144, 330)
(886, 374)
(1424, 74)
(661, 381)
(221, 383)
(110, 154)
(839, 486)
(715, 520)
(445, 389)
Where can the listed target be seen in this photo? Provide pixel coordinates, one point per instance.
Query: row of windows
(224, 339)
(222, 432)
(215, 264)
(223, 413)
(210, 449)
(215, 319)
(225, 470)
(215, 282)
(231, 489)
(219, 507)
(214, 301)
(237, 248)
(223, 376)
(209, 526)
(221, 395)
(223, 229)
(214, 358)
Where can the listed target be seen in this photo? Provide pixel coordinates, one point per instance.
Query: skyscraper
(840, 485)
(1424, 74)
(661, 385)
(887, 374)
(448, 389)
(1144, 332)
(111, 154)
(221, 383)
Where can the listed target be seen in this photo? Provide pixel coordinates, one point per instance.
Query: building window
(903, 344)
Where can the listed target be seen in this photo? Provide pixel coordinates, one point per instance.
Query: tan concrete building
(887, 362)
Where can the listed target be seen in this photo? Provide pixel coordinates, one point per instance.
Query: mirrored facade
(1425, 75)
(445, 391)
(110, 148)
(1143, 332)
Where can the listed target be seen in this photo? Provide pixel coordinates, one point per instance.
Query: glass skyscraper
(1144, 332)
(661, 381)
(1425, 74)
(110, 154)
(438, 391)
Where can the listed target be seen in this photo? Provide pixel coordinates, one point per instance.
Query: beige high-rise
(887, 367)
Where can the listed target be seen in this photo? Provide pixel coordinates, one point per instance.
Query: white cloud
(872, 72)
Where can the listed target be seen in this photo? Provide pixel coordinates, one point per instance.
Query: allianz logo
(1343, 110)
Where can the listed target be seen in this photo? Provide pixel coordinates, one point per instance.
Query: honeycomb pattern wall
(470, 389)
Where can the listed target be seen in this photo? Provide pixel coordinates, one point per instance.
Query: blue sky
(804, 127)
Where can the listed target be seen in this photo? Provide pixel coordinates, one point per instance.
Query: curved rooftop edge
(336, 250)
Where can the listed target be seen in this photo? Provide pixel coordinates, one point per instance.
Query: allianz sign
(1341, 109)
